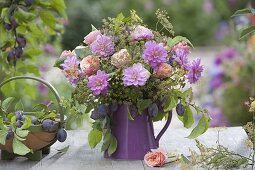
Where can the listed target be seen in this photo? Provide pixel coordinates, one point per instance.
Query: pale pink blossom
(155, 158)
(67, 53)
(91, 37)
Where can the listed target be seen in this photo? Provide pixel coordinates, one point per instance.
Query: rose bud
(89, 65)
(91, 37)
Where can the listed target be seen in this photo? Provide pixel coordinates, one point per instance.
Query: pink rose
(65, 54)
(181, 46)
(164, 70)
(91, 37)
(157, 157)
(89, 65)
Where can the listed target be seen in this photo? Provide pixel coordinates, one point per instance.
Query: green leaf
(129, 115)
(172, 41)
(58, 62)
(242, 12)
(201, 127)
(6, 103)
(94, 137)
(30, 91)
(40, 107)
(113, 145)
(247, 31)
(107, 140)
(27, 123)
(21, 133)
(142, 104)
(3, 134)
(48, 18)
(188, 118)
(59, 6)
(51, 115)
(170, 103)
(19, 148)
(242, 161)
(23, 16)
(19, 106)
(158, 117)
(33, 51)
(185, 159)
(216, 158)
(93, 28)
(82, 51)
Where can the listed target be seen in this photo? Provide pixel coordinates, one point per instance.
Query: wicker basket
(38, 139)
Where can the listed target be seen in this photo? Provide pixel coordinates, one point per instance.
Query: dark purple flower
(135, 75)
(142, 33)
(195, 71)
(102, 46)
(218, 118)
(230, 53)
(49, 48)
(98, 83)
(71, 69)
(154, 53)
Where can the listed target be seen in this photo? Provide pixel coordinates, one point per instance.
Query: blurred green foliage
(197, 19)
(36, 22)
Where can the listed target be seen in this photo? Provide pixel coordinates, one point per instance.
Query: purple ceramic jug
(135, 137)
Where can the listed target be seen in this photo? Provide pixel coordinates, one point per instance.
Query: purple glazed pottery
(135, 137)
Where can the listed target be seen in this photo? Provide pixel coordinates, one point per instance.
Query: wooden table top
(79, 155)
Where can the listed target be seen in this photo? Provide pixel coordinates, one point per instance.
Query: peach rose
(157, 157)
(164, 70)
(91, 37)
(65, 54)
(89, 65)
(181, 45)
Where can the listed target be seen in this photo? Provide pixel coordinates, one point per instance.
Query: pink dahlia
(71, 69)
(65, 54)
(98, 83)
(195, 71)
(142, 33)
(89, 65)
(102, 46)
(135, 75)
(154, 54)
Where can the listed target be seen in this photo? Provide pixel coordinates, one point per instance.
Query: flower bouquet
(126, 76)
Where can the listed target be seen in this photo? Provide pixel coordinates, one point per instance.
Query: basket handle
(55, 92)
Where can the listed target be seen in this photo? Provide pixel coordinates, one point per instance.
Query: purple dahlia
(71, 69)
(135, 75)
(142, 33)
(195, 71)
(154, 54)
(102, 46)
(181, 52)
(98, 83)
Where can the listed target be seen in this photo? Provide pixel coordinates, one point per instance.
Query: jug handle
(165, 127)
